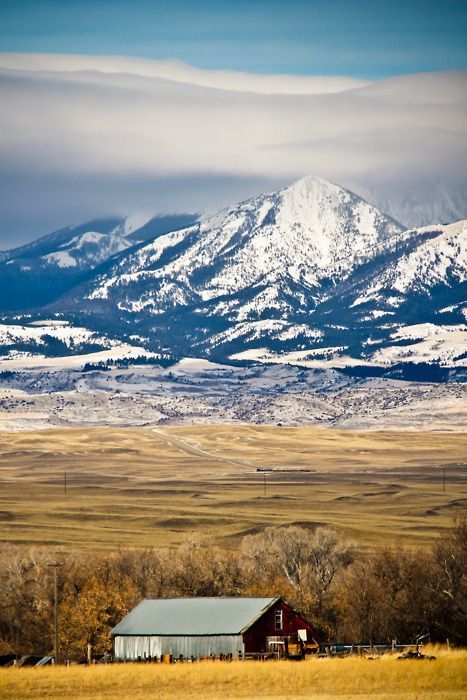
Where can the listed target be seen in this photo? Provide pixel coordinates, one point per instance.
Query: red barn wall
(255, 638)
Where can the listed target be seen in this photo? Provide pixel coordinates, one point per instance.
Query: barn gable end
(280, 621)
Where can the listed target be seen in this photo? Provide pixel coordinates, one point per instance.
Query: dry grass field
(340, 679)
(150, 487)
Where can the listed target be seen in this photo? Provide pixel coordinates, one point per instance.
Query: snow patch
(61, 259)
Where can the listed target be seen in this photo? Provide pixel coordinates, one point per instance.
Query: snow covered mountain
(311, 274)
(409, 304)
(255, 271)
(312, 269)
(39, 272)
(303, 234)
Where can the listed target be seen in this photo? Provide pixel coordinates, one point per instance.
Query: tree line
(348, 594)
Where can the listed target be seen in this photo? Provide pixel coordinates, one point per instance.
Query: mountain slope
(257, 270)
(311, 231)
(39, 272)
(311, 269)
(310, 274)
(410, 292)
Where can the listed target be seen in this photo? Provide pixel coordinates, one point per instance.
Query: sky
(362, 38)
(119, 107)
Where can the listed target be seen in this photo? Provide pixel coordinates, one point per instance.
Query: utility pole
(444, 479)
(64, 482)
(55, 566)
(265, 481)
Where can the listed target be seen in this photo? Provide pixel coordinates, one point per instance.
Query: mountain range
(311, 274)
(40, 272)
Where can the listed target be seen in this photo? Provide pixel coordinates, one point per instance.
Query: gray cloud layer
(79, 139)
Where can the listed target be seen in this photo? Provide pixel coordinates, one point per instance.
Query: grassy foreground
(139, 487)
(348, 678)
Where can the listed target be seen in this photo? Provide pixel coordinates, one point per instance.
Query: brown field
(150, 487)
(341, 679)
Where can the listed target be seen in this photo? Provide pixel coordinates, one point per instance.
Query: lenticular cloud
(85, 136)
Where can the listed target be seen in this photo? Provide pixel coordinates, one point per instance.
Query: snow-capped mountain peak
(87, 250)
(305, 233)
(266, 260)
(310, 273)
(40, 272)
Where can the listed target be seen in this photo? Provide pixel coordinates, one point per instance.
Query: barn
(203, 627)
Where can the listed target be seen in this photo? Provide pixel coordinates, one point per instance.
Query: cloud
(80, 138)
(181, 72)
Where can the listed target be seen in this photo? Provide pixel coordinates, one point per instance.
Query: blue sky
(365, 38)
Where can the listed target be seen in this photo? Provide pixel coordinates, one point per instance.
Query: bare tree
(308, 563)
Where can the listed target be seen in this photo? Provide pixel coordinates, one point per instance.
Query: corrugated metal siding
(129, 648)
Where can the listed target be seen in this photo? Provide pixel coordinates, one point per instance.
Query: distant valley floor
(102, 488)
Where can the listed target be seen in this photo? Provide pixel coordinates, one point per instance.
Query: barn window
(278, 620)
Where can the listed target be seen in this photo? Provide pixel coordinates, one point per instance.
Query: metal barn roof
(193, 616)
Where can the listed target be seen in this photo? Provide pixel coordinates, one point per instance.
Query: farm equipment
(416, 653)
(292, 646)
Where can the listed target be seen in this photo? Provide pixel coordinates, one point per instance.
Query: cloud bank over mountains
(88, 136)
(181, 72)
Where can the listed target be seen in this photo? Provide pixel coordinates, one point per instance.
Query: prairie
(344, 679)
(102, 488)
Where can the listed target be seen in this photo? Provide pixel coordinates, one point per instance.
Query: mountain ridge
(311, 269)
(39, 272)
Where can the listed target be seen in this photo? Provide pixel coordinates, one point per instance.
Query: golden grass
(344, 679)
(150, 487)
